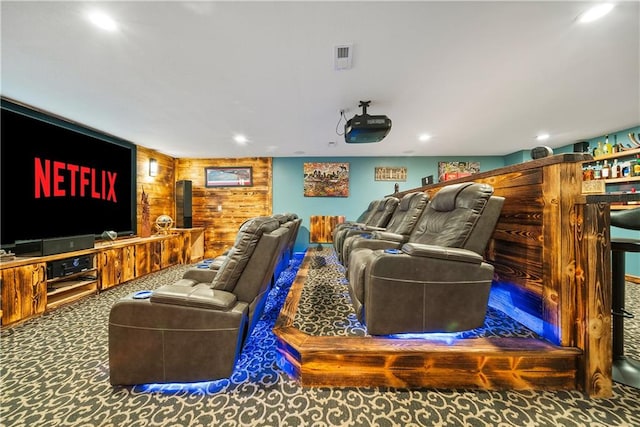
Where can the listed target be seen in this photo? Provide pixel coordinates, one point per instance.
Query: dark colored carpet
(54, 372)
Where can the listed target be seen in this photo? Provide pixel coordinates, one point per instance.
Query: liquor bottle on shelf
(597, 152)
(625, 169)
(587, 173)
(607, 147)
(605, 173)
(615, 169)
(597, 171)
(636, 166)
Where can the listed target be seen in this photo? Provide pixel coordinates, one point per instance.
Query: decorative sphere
(163, 224)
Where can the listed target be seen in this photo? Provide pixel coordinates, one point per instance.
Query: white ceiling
(484, 78)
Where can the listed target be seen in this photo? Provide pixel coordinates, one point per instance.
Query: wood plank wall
(236, 204)
(222, 210)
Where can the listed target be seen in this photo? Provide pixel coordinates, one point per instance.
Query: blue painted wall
(288, 193)
(288, 186)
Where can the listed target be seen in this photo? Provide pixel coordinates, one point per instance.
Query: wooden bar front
(552, 255)
(551, 252)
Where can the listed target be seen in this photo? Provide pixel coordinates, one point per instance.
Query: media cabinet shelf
(71, 288)
(28, 292)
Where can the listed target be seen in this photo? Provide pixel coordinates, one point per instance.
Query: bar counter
(552, 255)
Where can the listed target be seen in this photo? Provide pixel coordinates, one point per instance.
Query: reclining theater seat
(362, 219)
(380, 217)
(288, 220)
(402, 222)
(437, 281)
(191, 331)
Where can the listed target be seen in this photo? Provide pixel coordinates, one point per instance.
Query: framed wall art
(390, 173)
(238, 176)
(453, 170)
(326, 179)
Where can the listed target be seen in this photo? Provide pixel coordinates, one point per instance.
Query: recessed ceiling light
(102, 20)
(542, 137)
(424, 137)
(240, 139)
(596, 12)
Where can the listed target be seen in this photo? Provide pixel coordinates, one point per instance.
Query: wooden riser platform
(484, 363)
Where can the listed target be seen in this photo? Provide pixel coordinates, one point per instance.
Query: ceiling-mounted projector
(365, 128)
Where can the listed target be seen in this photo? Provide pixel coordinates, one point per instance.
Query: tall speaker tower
(183, 204)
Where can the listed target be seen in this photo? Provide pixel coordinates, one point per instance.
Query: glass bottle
(597, 171)
(615, 169)
(597, 152)
(606, 170)
(607, 146)
(636, 166)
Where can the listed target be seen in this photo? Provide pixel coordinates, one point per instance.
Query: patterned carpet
(54, 372)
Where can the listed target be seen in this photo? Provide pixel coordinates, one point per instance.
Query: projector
(364, 128)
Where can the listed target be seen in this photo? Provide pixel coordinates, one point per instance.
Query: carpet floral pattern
(54, 371)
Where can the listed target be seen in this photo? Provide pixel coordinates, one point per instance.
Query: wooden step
(478, 363)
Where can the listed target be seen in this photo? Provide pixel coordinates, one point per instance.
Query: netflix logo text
(59, 179)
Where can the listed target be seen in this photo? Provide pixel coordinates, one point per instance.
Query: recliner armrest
(373, 228)
(441, 252)
(387, 235)
(200, 275)
(200, 296)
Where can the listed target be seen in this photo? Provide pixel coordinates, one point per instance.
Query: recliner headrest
(282, 218)
(405, 202)
(445, 199)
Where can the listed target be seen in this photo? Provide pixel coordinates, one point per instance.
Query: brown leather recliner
(402, 222)
(194, 330)
(438, 280)
(380, 217)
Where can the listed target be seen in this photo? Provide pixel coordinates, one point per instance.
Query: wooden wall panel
(160, 189)
(222, 210)
(321, 227)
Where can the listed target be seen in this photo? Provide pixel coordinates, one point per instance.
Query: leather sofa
(194, 329)
(402, 222)
(436, 281)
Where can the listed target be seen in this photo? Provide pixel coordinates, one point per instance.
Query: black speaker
(581, 147)
(28, 247)
(60, 245)
(183, 204)
(56, 245)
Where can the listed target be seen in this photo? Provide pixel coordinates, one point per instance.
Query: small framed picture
(239, 176)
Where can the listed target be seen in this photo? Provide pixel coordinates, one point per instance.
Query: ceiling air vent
(342, 55)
